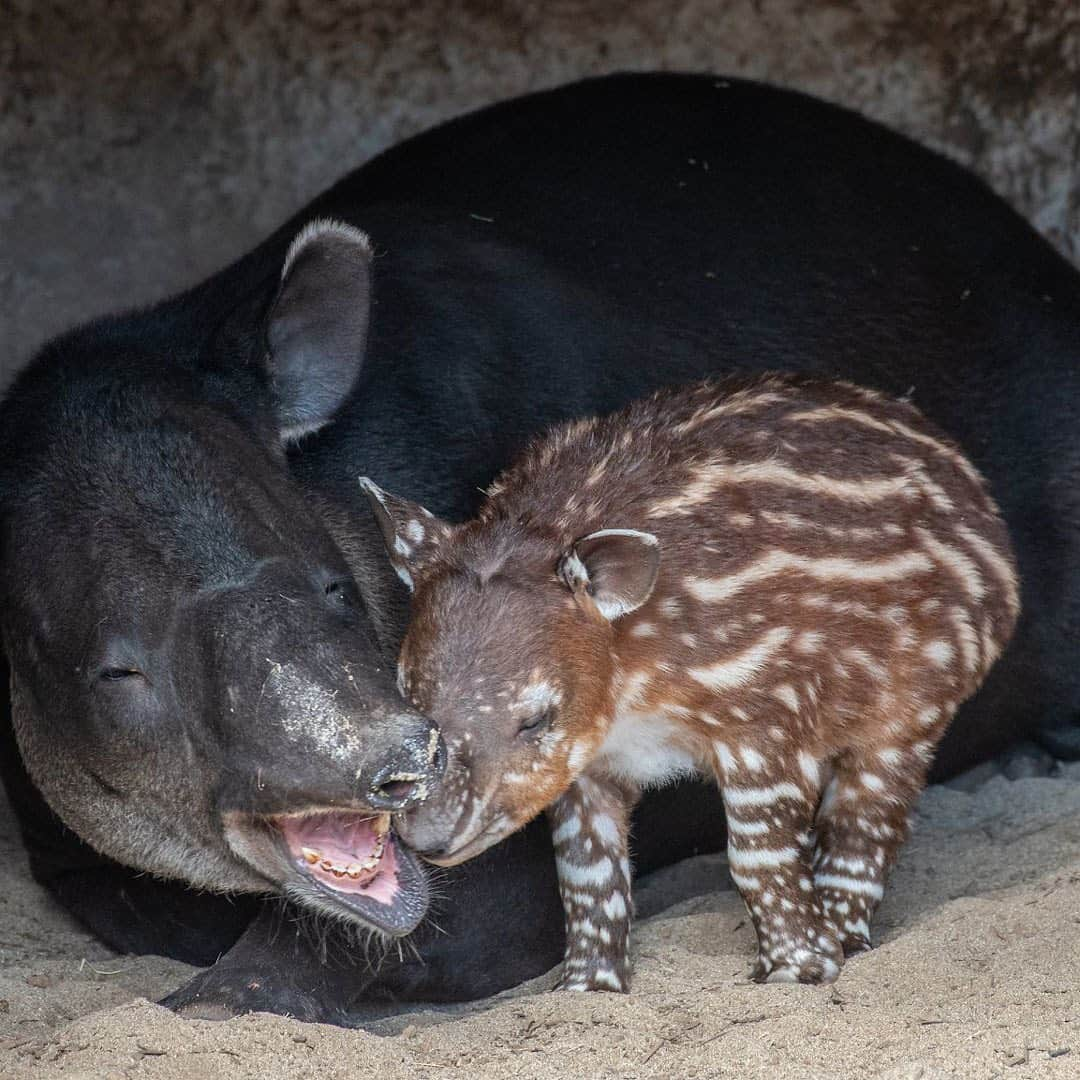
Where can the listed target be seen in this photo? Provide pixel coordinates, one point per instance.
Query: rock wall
(144, 145)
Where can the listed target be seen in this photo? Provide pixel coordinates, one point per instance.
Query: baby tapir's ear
(616, 567)
(317, 327)
(412, 534)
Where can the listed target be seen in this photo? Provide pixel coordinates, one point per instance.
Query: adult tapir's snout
(409, 768)
(326, 735)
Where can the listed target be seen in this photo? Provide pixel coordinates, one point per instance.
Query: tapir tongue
(349, 853)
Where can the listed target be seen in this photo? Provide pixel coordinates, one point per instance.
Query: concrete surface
(142, 145)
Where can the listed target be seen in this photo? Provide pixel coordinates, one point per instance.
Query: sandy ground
(977, 974)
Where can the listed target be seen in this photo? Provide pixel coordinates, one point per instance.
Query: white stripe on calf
(597, 873)
(762, 856)
(740, 670)
(762, 796)
(747, 828)
(849, 884)
(605, 830)
(963, 568)
(614, 906)
(607, 978)
(567, 830)
(746, 883)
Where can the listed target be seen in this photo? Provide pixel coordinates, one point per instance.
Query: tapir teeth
(381, 828)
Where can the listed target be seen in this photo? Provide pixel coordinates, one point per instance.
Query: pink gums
(344, 840)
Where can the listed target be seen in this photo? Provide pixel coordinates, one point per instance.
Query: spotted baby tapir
(788, 583)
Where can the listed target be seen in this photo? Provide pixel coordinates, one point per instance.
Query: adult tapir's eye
(536, 722)
(115, 674)
(341, 592)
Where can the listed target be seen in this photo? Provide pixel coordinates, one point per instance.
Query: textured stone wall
(142, 145)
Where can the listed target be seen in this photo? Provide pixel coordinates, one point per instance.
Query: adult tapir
(196, 610)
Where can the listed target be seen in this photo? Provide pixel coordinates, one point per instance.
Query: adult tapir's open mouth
(343, 862)
(356, 860)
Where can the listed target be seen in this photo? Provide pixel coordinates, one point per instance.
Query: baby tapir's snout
(789, 584)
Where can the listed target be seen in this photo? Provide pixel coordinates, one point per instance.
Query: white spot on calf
(809, 768)
(671, 607)
(809, 641)
(939, 652)
(785, 692)
(754, 761)
(929, 715)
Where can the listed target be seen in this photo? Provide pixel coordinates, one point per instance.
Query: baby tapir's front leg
(589, 828)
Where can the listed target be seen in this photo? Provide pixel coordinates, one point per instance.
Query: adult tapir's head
(197, 686)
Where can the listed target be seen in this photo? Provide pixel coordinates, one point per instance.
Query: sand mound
(977, 974)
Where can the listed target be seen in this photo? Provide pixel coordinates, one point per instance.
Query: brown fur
(834, 579)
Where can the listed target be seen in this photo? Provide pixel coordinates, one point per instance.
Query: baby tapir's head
(509, 651)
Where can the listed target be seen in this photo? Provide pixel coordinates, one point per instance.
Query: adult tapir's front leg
(590, 826)
(498, 921)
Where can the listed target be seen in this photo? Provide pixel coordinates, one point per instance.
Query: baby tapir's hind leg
(861, 825)
(589, 828)
(770, 812)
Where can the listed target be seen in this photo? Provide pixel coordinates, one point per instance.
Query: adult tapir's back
(563, 253)
(554, 256)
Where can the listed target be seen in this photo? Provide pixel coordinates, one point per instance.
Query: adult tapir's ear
(318, 323)
(412, 534)
(616, 567)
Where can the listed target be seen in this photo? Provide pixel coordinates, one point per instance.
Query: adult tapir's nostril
(409, 771)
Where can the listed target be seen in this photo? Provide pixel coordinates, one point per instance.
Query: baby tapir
(790, 583)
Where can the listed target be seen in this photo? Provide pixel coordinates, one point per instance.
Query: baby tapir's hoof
(855, 944)
(810, 967)
(611, 978)
(813, 957)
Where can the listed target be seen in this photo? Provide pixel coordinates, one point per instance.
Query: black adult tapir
(197, 613)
